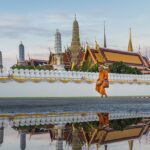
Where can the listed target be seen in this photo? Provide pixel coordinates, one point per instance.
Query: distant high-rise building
(58, 48)
(21, 53)
(1, 60)
(1, 135)
(23, 141)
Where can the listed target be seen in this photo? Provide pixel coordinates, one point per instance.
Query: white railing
(68, 118)
(73, 75)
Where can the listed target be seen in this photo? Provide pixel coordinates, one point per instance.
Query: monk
(102, 81)
(103, 119)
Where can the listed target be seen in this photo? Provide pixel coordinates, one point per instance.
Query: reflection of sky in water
(127, 105)
(42, 142)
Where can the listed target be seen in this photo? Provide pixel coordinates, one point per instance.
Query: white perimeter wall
(71, 89)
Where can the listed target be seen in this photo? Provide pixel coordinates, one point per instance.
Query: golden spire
(75, 43)
(96, 45)
(105, 43)
(130, 144)
(97, 146)
(73, 128)
(87, 46)
(130, 47)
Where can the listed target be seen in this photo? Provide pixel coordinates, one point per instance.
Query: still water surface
(43, 142)
(75, 104)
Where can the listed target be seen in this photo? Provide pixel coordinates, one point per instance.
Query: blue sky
(34, 22)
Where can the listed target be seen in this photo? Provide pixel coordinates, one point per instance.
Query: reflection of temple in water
(79, 133)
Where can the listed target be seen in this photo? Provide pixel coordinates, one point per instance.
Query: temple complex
(74, 56)
(107, 56)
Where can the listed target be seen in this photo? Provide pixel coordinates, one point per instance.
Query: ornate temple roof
(146, 61)
(131, 58)
(105, 55)
(104, 136)
(67, 58)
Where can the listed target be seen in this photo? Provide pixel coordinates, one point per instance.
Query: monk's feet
(106, 96)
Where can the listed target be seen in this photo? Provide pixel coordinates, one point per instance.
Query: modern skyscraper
(75, 44)
(130, 47)
(1, 135)
(1, 60)
(21, 53)
(58, 47)
(22, 140)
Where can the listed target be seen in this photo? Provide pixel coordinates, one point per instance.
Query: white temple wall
(35, 83)
(71, 89)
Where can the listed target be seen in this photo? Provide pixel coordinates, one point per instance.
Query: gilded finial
(17, 59)
(130, 47)
(105, 43)
(87, 45)
(73, 128)
(139, 47)
(97, 146)
(96, 45)
(29, 55)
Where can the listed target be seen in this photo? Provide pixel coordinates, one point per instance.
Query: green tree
(94, 68)
(22, 67)
(120, 67)
(87, 67)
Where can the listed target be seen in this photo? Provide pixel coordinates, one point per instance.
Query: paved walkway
(112, 104)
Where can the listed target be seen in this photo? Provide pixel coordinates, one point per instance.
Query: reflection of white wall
(71, 89)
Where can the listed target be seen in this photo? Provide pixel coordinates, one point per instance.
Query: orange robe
(103, 119)
(103, 75)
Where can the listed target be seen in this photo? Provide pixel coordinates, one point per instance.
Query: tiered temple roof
(108, 56)
(66, 56)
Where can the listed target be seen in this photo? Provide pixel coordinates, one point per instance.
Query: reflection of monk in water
(103, 119)
(102, 81)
